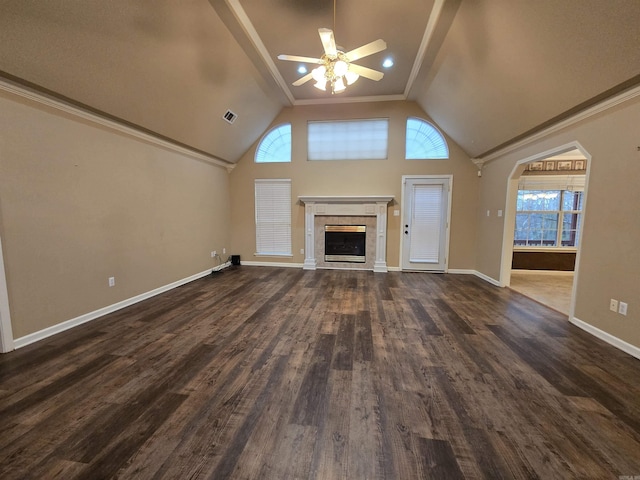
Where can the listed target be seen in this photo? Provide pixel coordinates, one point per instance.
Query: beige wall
(80, 203)
(372, 177)
(609, 261)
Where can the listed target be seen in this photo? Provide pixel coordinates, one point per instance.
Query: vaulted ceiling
(486, 71)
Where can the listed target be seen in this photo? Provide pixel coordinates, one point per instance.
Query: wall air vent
(230, 117)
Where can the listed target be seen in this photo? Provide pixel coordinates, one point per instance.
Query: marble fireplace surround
(345, 206)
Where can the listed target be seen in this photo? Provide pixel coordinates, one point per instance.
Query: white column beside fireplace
(373, 205)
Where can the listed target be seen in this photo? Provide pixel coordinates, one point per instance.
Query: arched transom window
(424, 141)
(275, 146)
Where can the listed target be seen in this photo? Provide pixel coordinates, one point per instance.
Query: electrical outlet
(613, 305)
(488, 213)
(224, 250)
(112, 281)
(213, 254)
(499, 213)
(622, 308)
(302, 251)
(396, 213)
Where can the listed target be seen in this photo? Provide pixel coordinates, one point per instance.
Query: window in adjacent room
(548, 218)
(424, 142)
(348, 139)
(275, 146)
(273, 216)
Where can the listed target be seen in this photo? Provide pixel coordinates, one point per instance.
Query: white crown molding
(251, 32)
(578, 117)
(438, 5)
(339, 100)
(62, 106)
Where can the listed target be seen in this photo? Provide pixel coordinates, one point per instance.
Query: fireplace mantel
(346, 199)
(369, 205)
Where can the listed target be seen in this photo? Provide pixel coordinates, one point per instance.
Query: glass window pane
(570, 229)
(572, 200)
(538, 200)
(538, 218)
(424, 141)
(275, 146)
(348, 139)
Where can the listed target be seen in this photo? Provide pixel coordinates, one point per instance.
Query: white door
(425, 224)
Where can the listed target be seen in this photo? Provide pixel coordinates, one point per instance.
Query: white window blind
(273, 216)
(573, 183)
(349, 140)
(427, 223)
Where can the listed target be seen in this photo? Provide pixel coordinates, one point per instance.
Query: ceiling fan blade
(301, 80)
(328, 42)
(365, 50)
(366, 72)
(295, 58)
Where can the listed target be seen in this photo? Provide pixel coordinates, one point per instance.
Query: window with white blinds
(349, 139)
(273, 216)
(426, 212)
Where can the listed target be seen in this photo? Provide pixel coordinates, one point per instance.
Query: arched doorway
(6, 332)
(548, 234)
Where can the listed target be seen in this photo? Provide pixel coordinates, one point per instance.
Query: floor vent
(230, 116)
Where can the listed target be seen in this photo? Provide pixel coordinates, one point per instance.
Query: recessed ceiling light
(388, 63)
(302, 69)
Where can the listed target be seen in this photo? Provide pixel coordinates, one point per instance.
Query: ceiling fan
(335, 66)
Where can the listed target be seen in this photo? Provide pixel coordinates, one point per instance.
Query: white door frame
(448, 225)
(6, 332)
(510, 215)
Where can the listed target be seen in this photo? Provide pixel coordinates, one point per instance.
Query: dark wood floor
(268, 373)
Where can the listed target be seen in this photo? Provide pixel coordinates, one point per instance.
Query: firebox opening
(345, 243)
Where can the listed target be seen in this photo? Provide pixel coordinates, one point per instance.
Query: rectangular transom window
(349, 139)
(273, 216)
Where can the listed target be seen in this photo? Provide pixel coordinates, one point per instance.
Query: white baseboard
(543, 272)
(607, 337)
(461, 271)
(221, 266)
(87, 317)
(486, 278)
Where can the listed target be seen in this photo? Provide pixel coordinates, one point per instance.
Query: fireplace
(345, 243)
(346, 210)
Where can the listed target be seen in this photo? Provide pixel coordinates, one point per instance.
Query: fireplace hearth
(345, 243)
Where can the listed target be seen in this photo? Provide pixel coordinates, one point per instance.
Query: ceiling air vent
(230, 117)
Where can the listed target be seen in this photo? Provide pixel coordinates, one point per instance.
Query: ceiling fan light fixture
(340, 68)
(351, 77)
(335, 67)
(321, 85)
(338, 86)
(318, 73)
